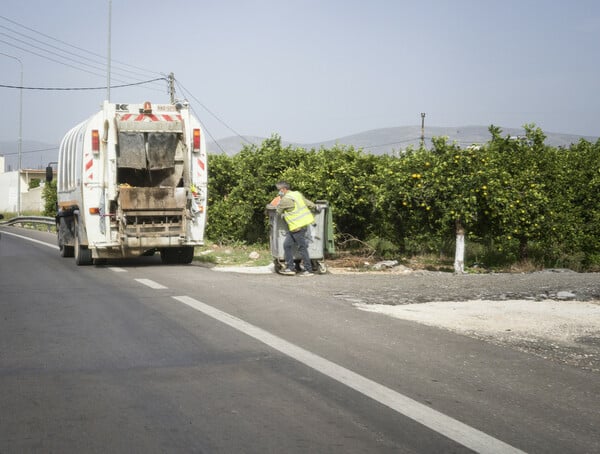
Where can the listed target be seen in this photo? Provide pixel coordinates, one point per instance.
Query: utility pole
(172, 87)
(109, 46)
(422, 129)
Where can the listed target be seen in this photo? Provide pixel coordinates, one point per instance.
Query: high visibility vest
(300, 216)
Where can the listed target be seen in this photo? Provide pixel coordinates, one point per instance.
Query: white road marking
(53, 246)
(451, 428)
(151, 284)
(116, 269)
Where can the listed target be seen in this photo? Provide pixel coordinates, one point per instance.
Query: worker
(296, 211)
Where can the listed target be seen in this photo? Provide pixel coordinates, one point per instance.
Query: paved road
(141, 357)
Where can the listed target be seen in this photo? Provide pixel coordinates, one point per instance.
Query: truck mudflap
(150, 217)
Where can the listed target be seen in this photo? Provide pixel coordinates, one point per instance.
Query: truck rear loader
(132, 181)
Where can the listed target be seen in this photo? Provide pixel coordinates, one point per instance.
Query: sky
(307, 70)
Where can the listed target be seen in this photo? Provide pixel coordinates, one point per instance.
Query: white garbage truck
(132, 181)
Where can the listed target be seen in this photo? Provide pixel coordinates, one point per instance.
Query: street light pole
(20, 143)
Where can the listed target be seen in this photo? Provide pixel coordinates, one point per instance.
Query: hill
(389, 140)
(37, 155)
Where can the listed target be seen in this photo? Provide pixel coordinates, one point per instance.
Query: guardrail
(30, 220)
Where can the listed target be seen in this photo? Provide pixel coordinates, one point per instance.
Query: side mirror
(49, 174)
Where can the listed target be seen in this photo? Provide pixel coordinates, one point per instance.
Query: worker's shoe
(307, 273)
(288, 272)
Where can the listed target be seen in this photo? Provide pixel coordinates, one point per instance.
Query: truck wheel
(177, 255)
(64, 250)
(186, 254)
(83, 256)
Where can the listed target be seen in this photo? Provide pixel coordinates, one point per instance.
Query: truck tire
(177, 255)
(83, 256)
(64, 250)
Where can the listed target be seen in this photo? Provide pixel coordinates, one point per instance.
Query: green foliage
(515, 197)
(34, 183)
(50, 199)
(383, 248)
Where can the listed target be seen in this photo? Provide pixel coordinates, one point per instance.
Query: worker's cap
(282, 185)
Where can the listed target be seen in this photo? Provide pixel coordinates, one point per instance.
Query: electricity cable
(102, 63)
(99, 68)
(211, 113)
(80, 88)
(74, 47)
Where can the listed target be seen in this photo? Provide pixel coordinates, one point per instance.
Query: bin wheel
(278, 266)
(319, 266)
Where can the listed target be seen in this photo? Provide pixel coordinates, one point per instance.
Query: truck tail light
(95, 141)
(196, 146)
(94, 210)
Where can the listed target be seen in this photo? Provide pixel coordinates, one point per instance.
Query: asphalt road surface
(140, 357)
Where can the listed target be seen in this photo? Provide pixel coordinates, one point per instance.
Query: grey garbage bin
(319, 238)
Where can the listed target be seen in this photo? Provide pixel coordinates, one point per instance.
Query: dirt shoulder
(554, 314)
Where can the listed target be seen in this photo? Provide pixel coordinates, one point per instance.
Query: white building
(31, 199)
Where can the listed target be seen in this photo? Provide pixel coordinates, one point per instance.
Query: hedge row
(516, 199)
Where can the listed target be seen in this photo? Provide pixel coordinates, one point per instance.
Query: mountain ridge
(394, 139)
(36, 154)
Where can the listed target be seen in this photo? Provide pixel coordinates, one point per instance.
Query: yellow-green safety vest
(300, 216)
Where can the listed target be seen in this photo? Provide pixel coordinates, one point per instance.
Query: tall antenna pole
(109, 46)
(422, 129)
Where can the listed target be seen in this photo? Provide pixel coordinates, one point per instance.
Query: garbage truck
(132, 181)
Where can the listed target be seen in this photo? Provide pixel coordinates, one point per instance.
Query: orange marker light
(196, 139)
(95, 141)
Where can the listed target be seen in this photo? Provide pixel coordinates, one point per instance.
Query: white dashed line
(451, 428)
(151, 284)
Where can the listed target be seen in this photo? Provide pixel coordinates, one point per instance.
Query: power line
(30, 151)
(80, 88)
(74, 67)
(51, 59)
(99, 69)
(211, 113)
(144, 70)
(394, 143)
(183, 89)
(61, 50)
(51, 52)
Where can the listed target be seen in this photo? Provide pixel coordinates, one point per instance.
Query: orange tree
(578, 208)
(345, 178)
(518, 196)
(517, 204)
(240, 187)
(425, 195)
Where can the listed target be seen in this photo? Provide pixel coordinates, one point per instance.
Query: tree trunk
(459, 254)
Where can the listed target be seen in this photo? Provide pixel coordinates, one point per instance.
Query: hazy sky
(308, 70)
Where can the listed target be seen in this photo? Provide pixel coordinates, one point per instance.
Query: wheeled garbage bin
(319, 238)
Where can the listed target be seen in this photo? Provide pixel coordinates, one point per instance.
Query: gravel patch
(567, 332)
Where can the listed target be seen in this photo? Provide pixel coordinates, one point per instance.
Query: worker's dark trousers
(299, 238)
